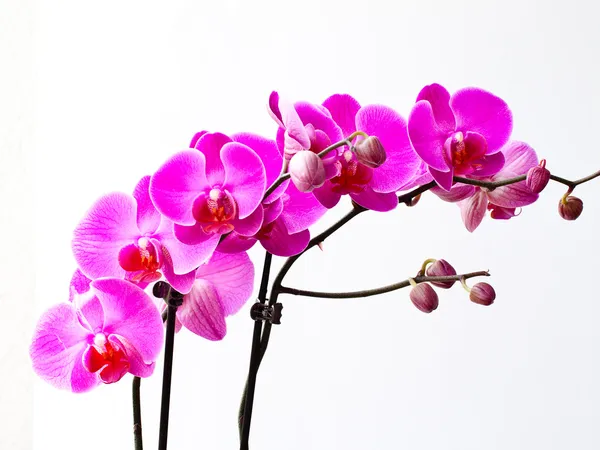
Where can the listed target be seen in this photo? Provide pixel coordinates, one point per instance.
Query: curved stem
(137, 414)
(379, 290)
(246, 404)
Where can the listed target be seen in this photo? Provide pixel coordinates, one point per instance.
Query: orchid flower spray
(171, 256)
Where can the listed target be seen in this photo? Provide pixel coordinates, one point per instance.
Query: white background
(96, 94)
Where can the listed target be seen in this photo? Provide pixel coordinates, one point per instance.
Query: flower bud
(538, 177)
(370, 152)
(307, 171)
(424, 297)
(482, 294)
(441, 268)
(570, 207)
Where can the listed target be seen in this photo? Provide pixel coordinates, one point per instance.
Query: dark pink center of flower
(141, 261)
(465, 152)
(215, 211)
(109, 360)
(352, 177)
(265, 231)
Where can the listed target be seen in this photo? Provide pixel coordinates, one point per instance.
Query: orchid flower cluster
(193, 220)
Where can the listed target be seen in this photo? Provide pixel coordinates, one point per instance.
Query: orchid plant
(183, 233)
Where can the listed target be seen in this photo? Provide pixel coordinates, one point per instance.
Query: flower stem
(245, 411)
(382, 289)
(173, 302)
(137, 414)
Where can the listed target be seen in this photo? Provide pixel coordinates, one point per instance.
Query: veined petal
(443, 179)
(210, 144)
(131, 313)
(177, 183)
(439, 98)
(300, 210)
(426, 136)
(473, 210)
(267, 151)
(232, 275)
(80, 284)
(287, 117)
(181, 283)
(281, 243)
(376, 201)
(184, 257)
(457, 193)
(343, 109)
(390, 129)
(251, 224)
(109, 225)
(312, 114)
(148, 217)
(489, 165)
(512, 196)
(245, 177)
(202, 312)
(480, 111)
(59, 341)
(519, 158)
(236, 243)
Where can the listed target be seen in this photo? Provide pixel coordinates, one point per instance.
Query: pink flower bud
(441, 268)
(424, 297)
(570, 208)
(538, 177)
(307, 171)
(482, 294)
(370, 152)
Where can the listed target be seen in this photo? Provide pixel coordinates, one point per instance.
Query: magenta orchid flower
(287, 213)
(373, 188)
(460, 134)
(222, 286)
(104, 333)
(211, 190)
(503, 201)
(125, 236)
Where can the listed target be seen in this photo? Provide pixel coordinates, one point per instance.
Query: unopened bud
(538, 177)
(441, 268)
(570, 207)
(482, 294)
(307, 171)
(424, 297)
(370, 152)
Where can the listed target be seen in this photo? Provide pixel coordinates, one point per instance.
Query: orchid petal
(480, 111)
(512, 196)
(232, 276)
(443, 179)
(282, 243)
(181, 283)
(211, 145)
(489, 165)
(251, 224)
(519, 158)
(175, 186)
(473, 210)
(245, 177)
(326, 196)
(390, 129)
(343, 109)
(130, 312)
(300, 210)
(426, 136)
(375, 201)
(184, 257)
(58, 344)
(148, 218)
(137, 366)
(196, 138)
(235, 243)
(312, 114)
(202, 312)
(457, 193)
(439, 98)
(109, 225)
(80, 284)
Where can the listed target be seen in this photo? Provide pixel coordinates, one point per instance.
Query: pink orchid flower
(373, 188)
(287, 213)
(460, 134)
(125, 236)
(502, 201)
(211, 190)
(221, 287)
(339, 117)
(112, 329)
